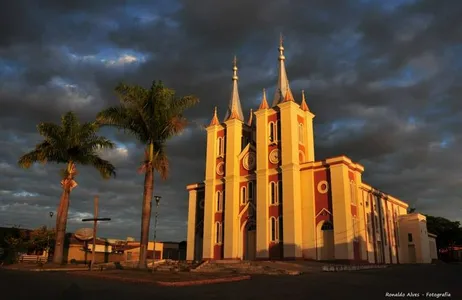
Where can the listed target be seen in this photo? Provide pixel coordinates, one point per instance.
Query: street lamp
(157, 199)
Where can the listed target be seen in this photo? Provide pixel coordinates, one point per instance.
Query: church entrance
(326, 248)
(199, 242)
(250, 242)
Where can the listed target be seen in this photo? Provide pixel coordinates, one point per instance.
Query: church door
(250, 242)
(326, 248)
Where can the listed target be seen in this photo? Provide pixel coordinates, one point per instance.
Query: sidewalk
(163, 278)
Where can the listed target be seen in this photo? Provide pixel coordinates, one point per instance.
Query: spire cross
(235, 68)
(281, 47)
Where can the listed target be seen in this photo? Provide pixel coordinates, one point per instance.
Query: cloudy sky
(384, 79)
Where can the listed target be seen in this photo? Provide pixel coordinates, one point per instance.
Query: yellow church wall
(292, 220)
(234, 129)
(308, 213)
(262, 172)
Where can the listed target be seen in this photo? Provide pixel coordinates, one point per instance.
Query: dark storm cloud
(382, 77)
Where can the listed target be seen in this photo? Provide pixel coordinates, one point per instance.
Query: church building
(265, 197)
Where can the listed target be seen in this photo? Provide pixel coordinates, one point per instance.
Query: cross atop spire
(234, 108)
(282, 87)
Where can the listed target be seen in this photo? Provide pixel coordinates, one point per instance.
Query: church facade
(265, 197)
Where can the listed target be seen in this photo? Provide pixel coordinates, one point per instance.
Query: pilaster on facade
(309, 136)
(291, 190)
(234, 130)
(341, 202)
(262, 185)
(191, 238)
(308, 213)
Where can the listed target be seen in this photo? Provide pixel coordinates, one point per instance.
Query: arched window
(274, 234)
(218, 233)
(300, 133)
(273, 192)
(301, 156)
(353, 192)
(243, 195)
(219, 201)
(272, 134)
(221, 146)
(251, 191)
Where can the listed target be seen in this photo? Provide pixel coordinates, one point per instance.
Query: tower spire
(264, 103)
(215, 120)
(303, 105)
(234, 108)
(282, 87)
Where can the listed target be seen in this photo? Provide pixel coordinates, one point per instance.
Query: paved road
(366, 284)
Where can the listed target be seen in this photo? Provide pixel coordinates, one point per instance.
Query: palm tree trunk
(146, 215)
(61, 223)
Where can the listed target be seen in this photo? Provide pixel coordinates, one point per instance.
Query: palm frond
(105, 168)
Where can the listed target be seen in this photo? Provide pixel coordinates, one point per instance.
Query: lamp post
(157, 199)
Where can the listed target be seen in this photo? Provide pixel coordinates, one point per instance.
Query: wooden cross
(95, 221)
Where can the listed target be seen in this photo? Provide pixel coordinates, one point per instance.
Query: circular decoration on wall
(221, 168)
(323, 186)
(249, 161)
(274, 156)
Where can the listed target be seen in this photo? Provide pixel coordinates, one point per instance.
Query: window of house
(274, 226)
(376, 219)
(251, 191)
(409, 237)
(396, 235)
(243, 195)
(300, 133)
(218, 232)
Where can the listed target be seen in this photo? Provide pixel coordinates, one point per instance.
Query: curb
(45, 270)
(203, 282)
(166, 283)
(351, 268)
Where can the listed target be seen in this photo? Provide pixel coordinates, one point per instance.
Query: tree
(69, 143)
(153, 116)
(16, 242)
(41, 238)
(448, 232)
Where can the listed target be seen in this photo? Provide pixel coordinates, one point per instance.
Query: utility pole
(95, 220)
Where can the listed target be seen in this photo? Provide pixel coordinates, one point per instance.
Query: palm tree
(153, 116)
(69, 143)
